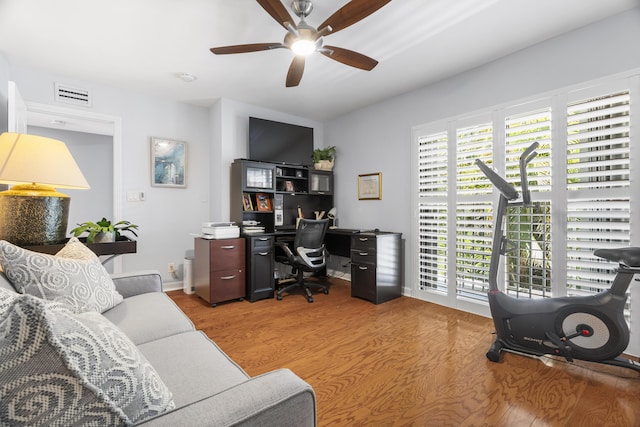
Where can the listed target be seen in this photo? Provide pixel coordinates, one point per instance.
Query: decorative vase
(325, 165)
(104, 238)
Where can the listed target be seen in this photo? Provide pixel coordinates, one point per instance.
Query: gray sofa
(208, 388)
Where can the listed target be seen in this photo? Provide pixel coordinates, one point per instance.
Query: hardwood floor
(411, 363)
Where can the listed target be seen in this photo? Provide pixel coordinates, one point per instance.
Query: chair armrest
(137, 282)
(275, 399)
(286, 249)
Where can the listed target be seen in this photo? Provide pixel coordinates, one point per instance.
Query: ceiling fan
(303, 39)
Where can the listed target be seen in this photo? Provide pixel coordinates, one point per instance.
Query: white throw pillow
(74, 276)
(61, 368)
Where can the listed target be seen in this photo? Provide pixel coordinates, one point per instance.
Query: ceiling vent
(72, 95)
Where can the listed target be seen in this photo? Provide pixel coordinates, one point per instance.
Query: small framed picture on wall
(168, 163)
(370, 186)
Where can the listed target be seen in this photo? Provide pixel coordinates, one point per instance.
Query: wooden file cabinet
(260, 264)
(219, 269)
(376, 266)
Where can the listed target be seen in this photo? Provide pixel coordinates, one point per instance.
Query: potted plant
(103, 230)
(323, 158)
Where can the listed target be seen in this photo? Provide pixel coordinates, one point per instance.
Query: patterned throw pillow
(73, 276)
(61, 368)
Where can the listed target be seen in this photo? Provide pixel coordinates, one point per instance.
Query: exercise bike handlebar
(525, 158)
(508, 190)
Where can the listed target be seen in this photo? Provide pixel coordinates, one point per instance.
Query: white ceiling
(142, 45)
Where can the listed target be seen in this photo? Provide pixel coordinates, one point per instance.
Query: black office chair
(308, 254)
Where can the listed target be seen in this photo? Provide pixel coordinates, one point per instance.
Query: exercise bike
(590, 328)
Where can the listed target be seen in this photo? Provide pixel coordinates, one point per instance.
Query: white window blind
(598, 210)
(473, 211)
(474, 142)
(432, 165)
(528, 266)
(432, 230)
(433, 257)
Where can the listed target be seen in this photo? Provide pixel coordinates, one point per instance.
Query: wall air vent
(72, 95)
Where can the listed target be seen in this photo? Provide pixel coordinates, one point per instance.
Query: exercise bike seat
(628, 256)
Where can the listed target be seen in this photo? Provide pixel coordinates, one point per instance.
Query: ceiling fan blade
(295, 71)
(276, 9)
(244, 48)
(349, 57)
(351, 13)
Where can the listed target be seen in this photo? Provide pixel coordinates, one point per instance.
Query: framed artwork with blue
(168, 163)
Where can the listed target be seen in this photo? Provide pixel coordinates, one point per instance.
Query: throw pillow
(61, 368)
(74, 276)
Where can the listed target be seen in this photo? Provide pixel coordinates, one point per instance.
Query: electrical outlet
(172, 267)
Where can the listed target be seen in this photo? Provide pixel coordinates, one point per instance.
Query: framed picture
(168, 163)
(263, 202)
(289, 186)
(246, 202)
(370, 186)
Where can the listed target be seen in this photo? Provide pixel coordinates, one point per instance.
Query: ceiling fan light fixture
(303, 47)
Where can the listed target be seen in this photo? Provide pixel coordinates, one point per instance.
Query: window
(473, 211)
(599, 188)
(579, 181)
(433, 245)
(529, 228)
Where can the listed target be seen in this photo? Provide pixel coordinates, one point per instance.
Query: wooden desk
(261, 252)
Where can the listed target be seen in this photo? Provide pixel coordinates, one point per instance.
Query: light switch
(135, 196)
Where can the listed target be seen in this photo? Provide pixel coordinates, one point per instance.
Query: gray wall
(167, 215)
(4, 79)
(215, 136)
(378, 138)
(93, 153)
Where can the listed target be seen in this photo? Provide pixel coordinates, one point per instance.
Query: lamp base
(33, 214)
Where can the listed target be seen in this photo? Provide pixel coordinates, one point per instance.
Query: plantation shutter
(432, 212)
(528, 267)
(473, 211)
(598, 210)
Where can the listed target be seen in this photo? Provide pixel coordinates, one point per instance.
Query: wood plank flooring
(411, 363)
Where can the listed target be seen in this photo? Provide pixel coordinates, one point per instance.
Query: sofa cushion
(73, 276)
(61, 368)
(148, 317)
(192, 366)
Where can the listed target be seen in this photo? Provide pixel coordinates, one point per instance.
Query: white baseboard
(172, 286)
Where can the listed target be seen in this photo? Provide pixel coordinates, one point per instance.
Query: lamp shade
(32, 212)
(35, 159)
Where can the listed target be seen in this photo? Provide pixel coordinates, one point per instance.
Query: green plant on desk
(324, 154)
(103, 229)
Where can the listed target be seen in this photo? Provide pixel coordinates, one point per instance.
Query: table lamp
(32, 212)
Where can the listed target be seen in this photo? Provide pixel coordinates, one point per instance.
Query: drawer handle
(264, 253)
(228, 277)
(363, 253)
(363, 239)
(264, 239)
(227, 247)
(363, 267)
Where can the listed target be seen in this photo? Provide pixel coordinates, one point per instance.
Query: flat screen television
(277, 142)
